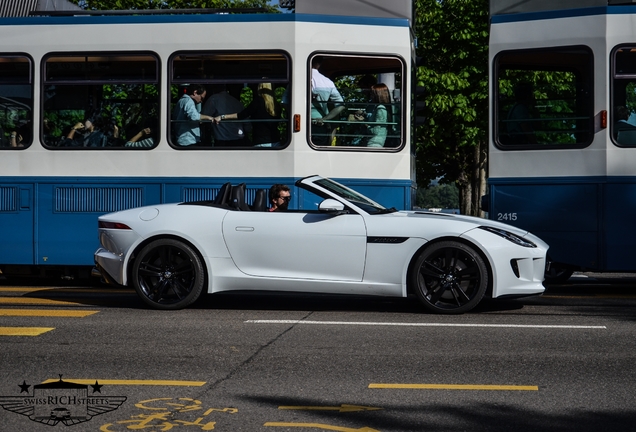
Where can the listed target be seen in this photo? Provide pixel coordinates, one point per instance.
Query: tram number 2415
(506, 216)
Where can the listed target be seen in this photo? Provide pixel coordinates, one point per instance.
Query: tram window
(16, 102)
(623, 113)
(364, 111)
(100, 101)
(544, 98)
(253, 84)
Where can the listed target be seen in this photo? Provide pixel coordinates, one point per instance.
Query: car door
(297, 244)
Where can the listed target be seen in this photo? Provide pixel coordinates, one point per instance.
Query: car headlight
(514, 238)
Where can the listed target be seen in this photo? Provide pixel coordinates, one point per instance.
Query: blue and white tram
(562, 159)
(123, 74)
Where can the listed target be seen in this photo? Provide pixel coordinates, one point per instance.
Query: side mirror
(331, 206)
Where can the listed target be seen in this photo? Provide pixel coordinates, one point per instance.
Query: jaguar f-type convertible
(344, 243)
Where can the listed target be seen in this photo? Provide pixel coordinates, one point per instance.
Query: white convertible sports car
(348, 244)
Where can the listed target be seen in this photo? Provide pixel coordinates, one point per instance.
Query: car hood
(472, 220)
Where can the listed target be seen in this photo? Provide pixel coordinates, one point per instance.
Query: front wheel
(168, 274)
(449, 277)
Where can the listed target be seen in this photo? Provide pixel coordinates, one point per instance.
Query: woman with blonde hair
(263, 109)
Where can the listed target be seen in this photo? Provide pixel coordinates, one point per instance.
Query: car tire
(449, 277)
(168, 274)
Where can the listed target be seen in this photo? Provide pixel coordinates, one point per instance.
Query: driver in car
(279, 196)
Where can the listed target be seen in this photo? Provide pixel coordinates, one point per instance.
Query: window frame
(403, 89)
(156, 81)
(207, 82)
(30, 83)
(587, 69)
(613, 78)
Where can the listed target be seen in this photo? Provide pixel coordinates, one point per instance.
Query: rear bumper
(110, 266)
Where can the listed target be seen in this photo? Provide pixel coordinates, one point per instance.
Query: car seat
(260, 200)
(223, 197)
(237, 200)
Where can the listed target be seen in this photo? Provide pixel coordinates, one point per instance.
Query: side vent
(8, 199)
(96, 200)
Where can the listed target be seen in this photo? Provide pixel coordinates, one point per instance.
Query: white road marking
(362, 323)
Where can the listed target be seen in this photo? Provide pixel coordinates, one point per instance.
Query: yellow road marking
(24, 331)
(47, 313)
(132, 382)
(454, 387)
(320, 426)
(67, 290)
(34, 301)
(341, 408)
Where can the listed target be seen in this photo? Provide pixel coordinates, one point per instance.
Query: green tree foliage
(453, 42)
(445, 196)
(172, 4)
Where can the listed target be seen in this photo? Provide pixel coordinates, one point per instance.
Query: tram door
(17, 222)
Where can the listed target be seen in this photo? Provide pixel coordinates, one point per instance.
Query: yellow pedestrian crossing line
(24, 331)
(47, 313)
(35, 301)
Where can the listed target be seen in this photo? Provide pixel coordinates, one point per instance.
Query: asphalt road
(279, 363)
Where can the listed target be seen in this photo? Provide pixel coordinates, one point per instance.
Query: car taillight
(113, 225)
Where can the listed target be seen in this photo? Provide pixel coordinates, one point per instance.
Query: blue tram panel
(564, 216)
(620, 234)
(16, 218)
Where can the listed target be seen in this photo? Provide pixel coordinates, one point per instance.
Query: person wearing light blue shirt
(324, 93)
(186, 116)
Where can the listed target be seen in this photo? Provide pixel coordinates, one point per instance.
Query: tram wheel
(557, 274)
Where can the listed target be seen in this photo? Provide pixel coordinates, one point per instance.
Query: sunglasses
(285, 198)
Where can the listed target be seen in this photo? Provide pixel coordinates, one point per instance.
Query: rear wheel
(168, 274)
(449, 277)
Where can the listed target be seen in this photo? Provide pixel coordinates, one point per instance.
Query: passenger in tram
(364, 111)
(326, 104)
(21, 135)
(622, 125)
(220, 104)
(187, 116)
(381, 97)
(520, 125)
(48, 133)
(279, 197)
(263, 107)
(16, 139)
(91, 134)
(142, 139)
(379, 112)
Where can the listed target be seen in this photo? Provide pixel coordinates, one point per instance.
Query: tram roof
(175, 16)
(503, 7)
(350, 8)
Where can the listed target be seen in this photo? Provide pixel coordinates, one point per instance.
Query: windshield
(352, 196)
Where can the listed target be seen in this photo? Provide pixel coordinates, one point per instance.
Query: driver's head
(279, 196)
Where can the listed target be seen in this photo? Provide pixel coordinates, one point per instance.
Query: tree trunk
(472, 184)
(479, 178)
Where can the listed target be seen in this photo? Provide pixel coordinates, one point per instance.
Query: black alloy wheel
(168, 274)
(449, 277)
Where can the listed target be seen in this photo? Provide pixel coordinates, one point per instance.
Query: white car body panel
(348, 252)
(333, 247)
